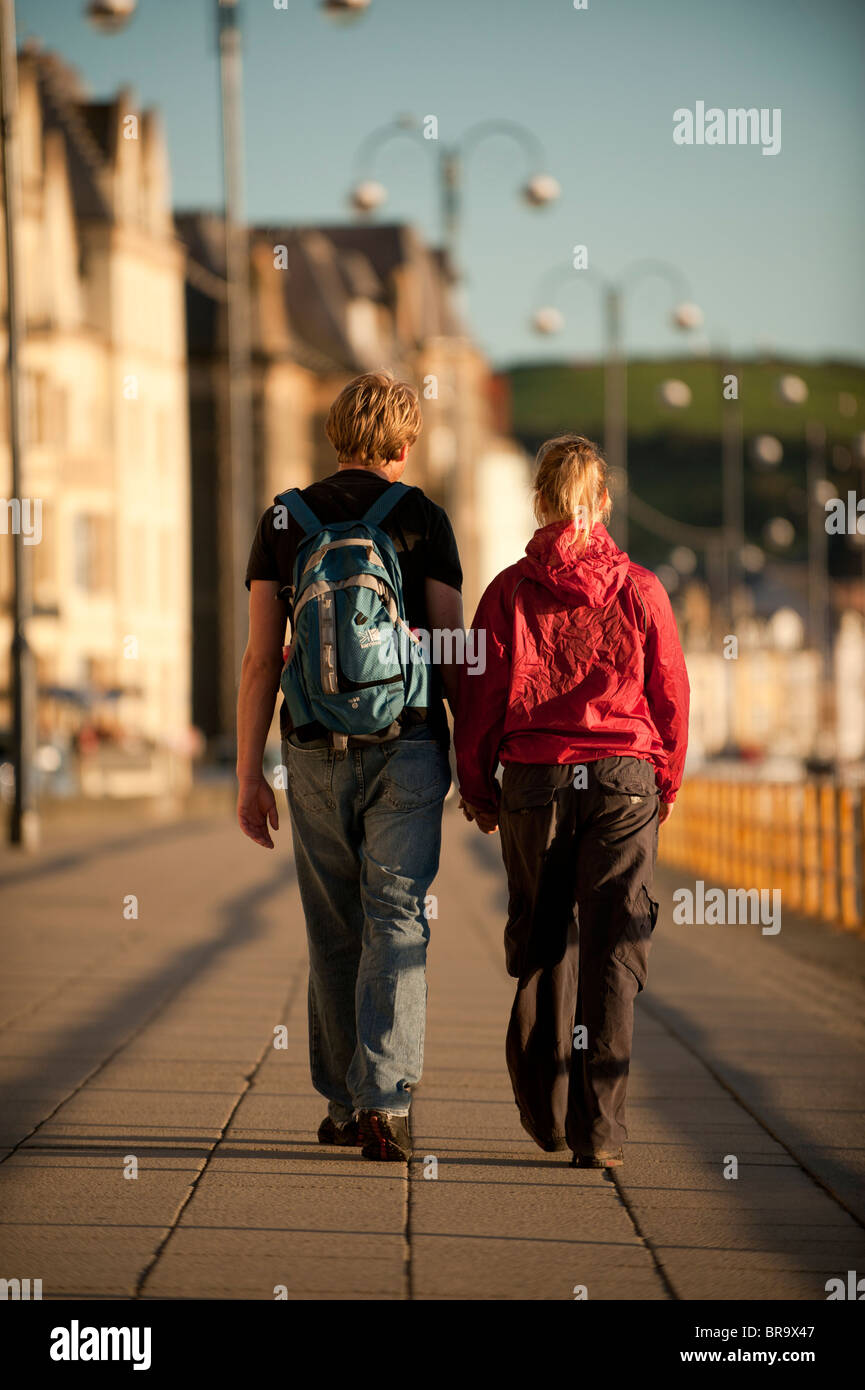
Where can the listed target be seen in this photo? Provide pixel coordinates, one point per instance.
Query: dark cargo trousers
(579, 845)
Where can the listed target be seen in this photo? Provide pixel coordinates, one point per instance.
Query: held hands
(256, 805)
(485, 820)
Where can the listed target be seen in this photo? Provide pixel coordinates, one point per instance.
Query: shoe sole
(589, 1161)
(385, 1152)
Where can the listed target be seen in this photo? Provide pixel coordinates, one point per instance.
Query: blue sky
(772, 246)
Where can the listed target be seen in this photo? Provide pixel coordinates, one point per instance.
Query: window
(92, 553)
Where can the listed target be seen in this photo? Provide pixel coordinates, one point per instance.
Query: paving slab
(156, 1038)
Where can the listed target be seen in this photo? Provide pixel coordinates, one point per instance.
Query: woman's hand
(484, 820)
(665, 810)
(256, 805)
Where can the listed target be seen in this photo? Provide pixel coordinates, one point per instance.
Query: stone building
(106, 446)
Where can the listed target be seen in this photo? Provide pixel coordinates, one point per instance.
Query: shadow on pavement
(136, 1006)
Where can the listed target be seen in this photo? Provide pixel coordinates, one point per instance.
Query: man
(366, 819)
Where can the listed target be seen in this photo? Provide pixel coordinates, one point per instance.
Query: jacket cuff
(485, 802)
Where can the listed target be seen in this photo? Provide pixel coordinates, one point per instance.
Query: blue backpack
(354, 668)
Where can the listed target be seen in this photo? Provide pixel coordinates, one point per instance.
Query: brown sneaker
(329, 1132)
(384, 1137)
(604, 1158)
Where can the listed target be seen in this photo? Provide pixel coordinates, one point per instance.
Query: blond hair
(372, 418)
(571, 485)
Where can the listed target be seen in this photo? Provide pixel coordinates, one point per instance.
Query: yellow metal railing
(805, 838)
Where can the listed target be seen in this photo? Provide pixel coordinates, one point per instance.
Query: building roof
(64, 107)
(94, 151)
(322, 272)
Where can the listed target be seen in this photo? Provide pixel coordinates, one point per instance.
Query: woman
(584, 701)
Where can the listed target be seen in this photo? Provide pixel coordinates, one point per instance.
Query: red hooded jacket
(582, 662)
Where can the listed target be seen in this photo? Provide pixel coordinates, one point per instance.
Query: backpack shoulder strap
(303, 515)
(385, 504)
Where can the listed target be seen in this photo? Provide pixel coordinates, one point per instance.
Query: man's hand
(260, 671)
(484, 820)
(256, 805)
(665, 810)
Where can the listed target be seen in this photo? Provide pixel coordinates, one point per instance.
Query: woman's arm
(667, 690)
(259, 683)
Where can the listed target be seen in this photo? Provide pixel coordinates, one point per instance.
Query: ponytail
(571, 485)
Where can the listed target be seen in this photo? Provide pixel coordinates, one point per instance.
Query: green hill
(548, 398)
(675, 455)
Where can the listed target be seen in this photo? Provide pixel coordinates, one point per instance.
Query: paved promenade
(148, 1043)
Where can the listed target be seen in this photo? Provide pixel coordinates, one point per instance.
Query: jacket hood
(592, 576)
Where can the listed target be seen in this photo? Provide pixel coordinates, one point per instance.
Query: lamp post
(792, 390)
(538, 189)
(241, 490)
(858, 452)
(819, 614)
(23, 821)
(685, 314)
(732, 486)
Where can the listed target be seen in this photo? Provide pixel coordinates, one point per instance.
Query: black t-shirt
(422, 537)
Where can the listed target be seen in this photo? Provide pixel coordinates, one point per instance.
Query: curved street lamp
(110, 16)
(779, 532)
(767, 450)
(753, 558)
(537, 190)
(345, 9)
(548, 319)
(683, 559)
(675, 394)
(367, 196)
(792, 390)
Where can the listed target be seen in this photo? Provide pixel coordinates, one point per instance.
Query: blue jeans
(366, 826)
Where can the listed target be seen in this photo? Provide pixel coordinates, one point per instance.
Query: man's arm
(445, 609)
(259, 682)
